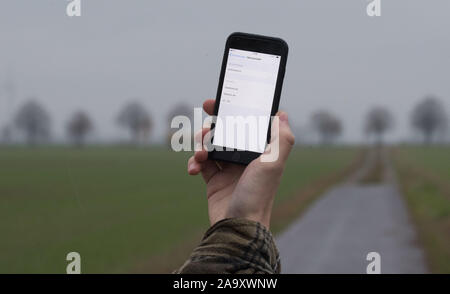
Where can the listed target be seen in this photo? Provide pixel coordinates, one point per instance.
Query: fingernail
(283, 116)
(190, 167)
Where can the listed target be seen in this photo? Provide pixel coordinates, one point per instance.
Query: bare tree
(378, 121)
(6, 134)
(34, 121)
(79, 127)
(428, 117)
(137, 120)
(179, 109)
(327, 125)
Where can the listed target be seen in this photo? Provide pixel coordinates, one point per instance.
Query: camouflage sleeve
(234, 246)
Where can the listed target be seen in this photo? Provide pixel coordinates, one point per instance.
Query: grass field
(424, 173)
(120, 208)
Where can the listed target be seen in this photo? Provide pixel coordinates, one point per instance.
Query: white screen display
(247, 96)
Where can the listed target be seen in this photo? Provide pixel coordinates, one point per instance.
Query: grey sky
(166, 52)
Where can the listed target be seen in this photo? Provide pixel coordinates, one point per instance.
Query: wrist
(262, 218)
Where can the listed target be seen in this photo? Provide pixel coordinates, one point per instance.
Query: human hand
(237, 191)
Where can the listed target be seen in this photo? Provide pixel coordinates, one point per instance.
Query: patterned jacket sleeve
(234, 246)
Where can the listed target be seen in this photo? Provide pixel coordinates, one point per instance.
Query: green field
(424, 173)
(122, 209)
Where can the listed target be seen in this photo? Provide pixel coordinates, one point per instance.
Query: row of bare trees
(428, 117)
(34, 122)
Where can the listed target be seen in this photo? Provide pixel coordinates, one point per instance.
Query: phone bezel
(256, 43)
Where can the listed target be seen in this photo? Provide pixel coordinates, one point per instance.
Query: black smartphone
(248, 96)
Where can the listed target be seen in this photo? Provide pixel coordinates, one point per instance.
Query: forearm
(234, 246)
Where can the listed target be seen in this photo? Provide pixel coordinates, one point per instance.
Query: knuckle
(274, 167)
(289, 137)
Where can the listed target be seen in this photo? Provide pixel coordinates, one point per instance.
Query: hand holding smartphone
(248, 96)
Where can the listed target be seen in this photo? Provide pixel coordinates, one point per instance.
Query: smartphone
(248, 96)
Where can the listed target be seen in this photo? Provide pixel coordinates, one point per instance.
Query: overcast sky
(167, 52)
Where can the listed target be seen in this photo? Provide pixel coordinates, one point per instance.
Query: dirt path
(349, 221)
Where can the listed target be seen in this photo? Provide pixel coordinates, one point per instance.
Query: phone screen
(248, 91)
